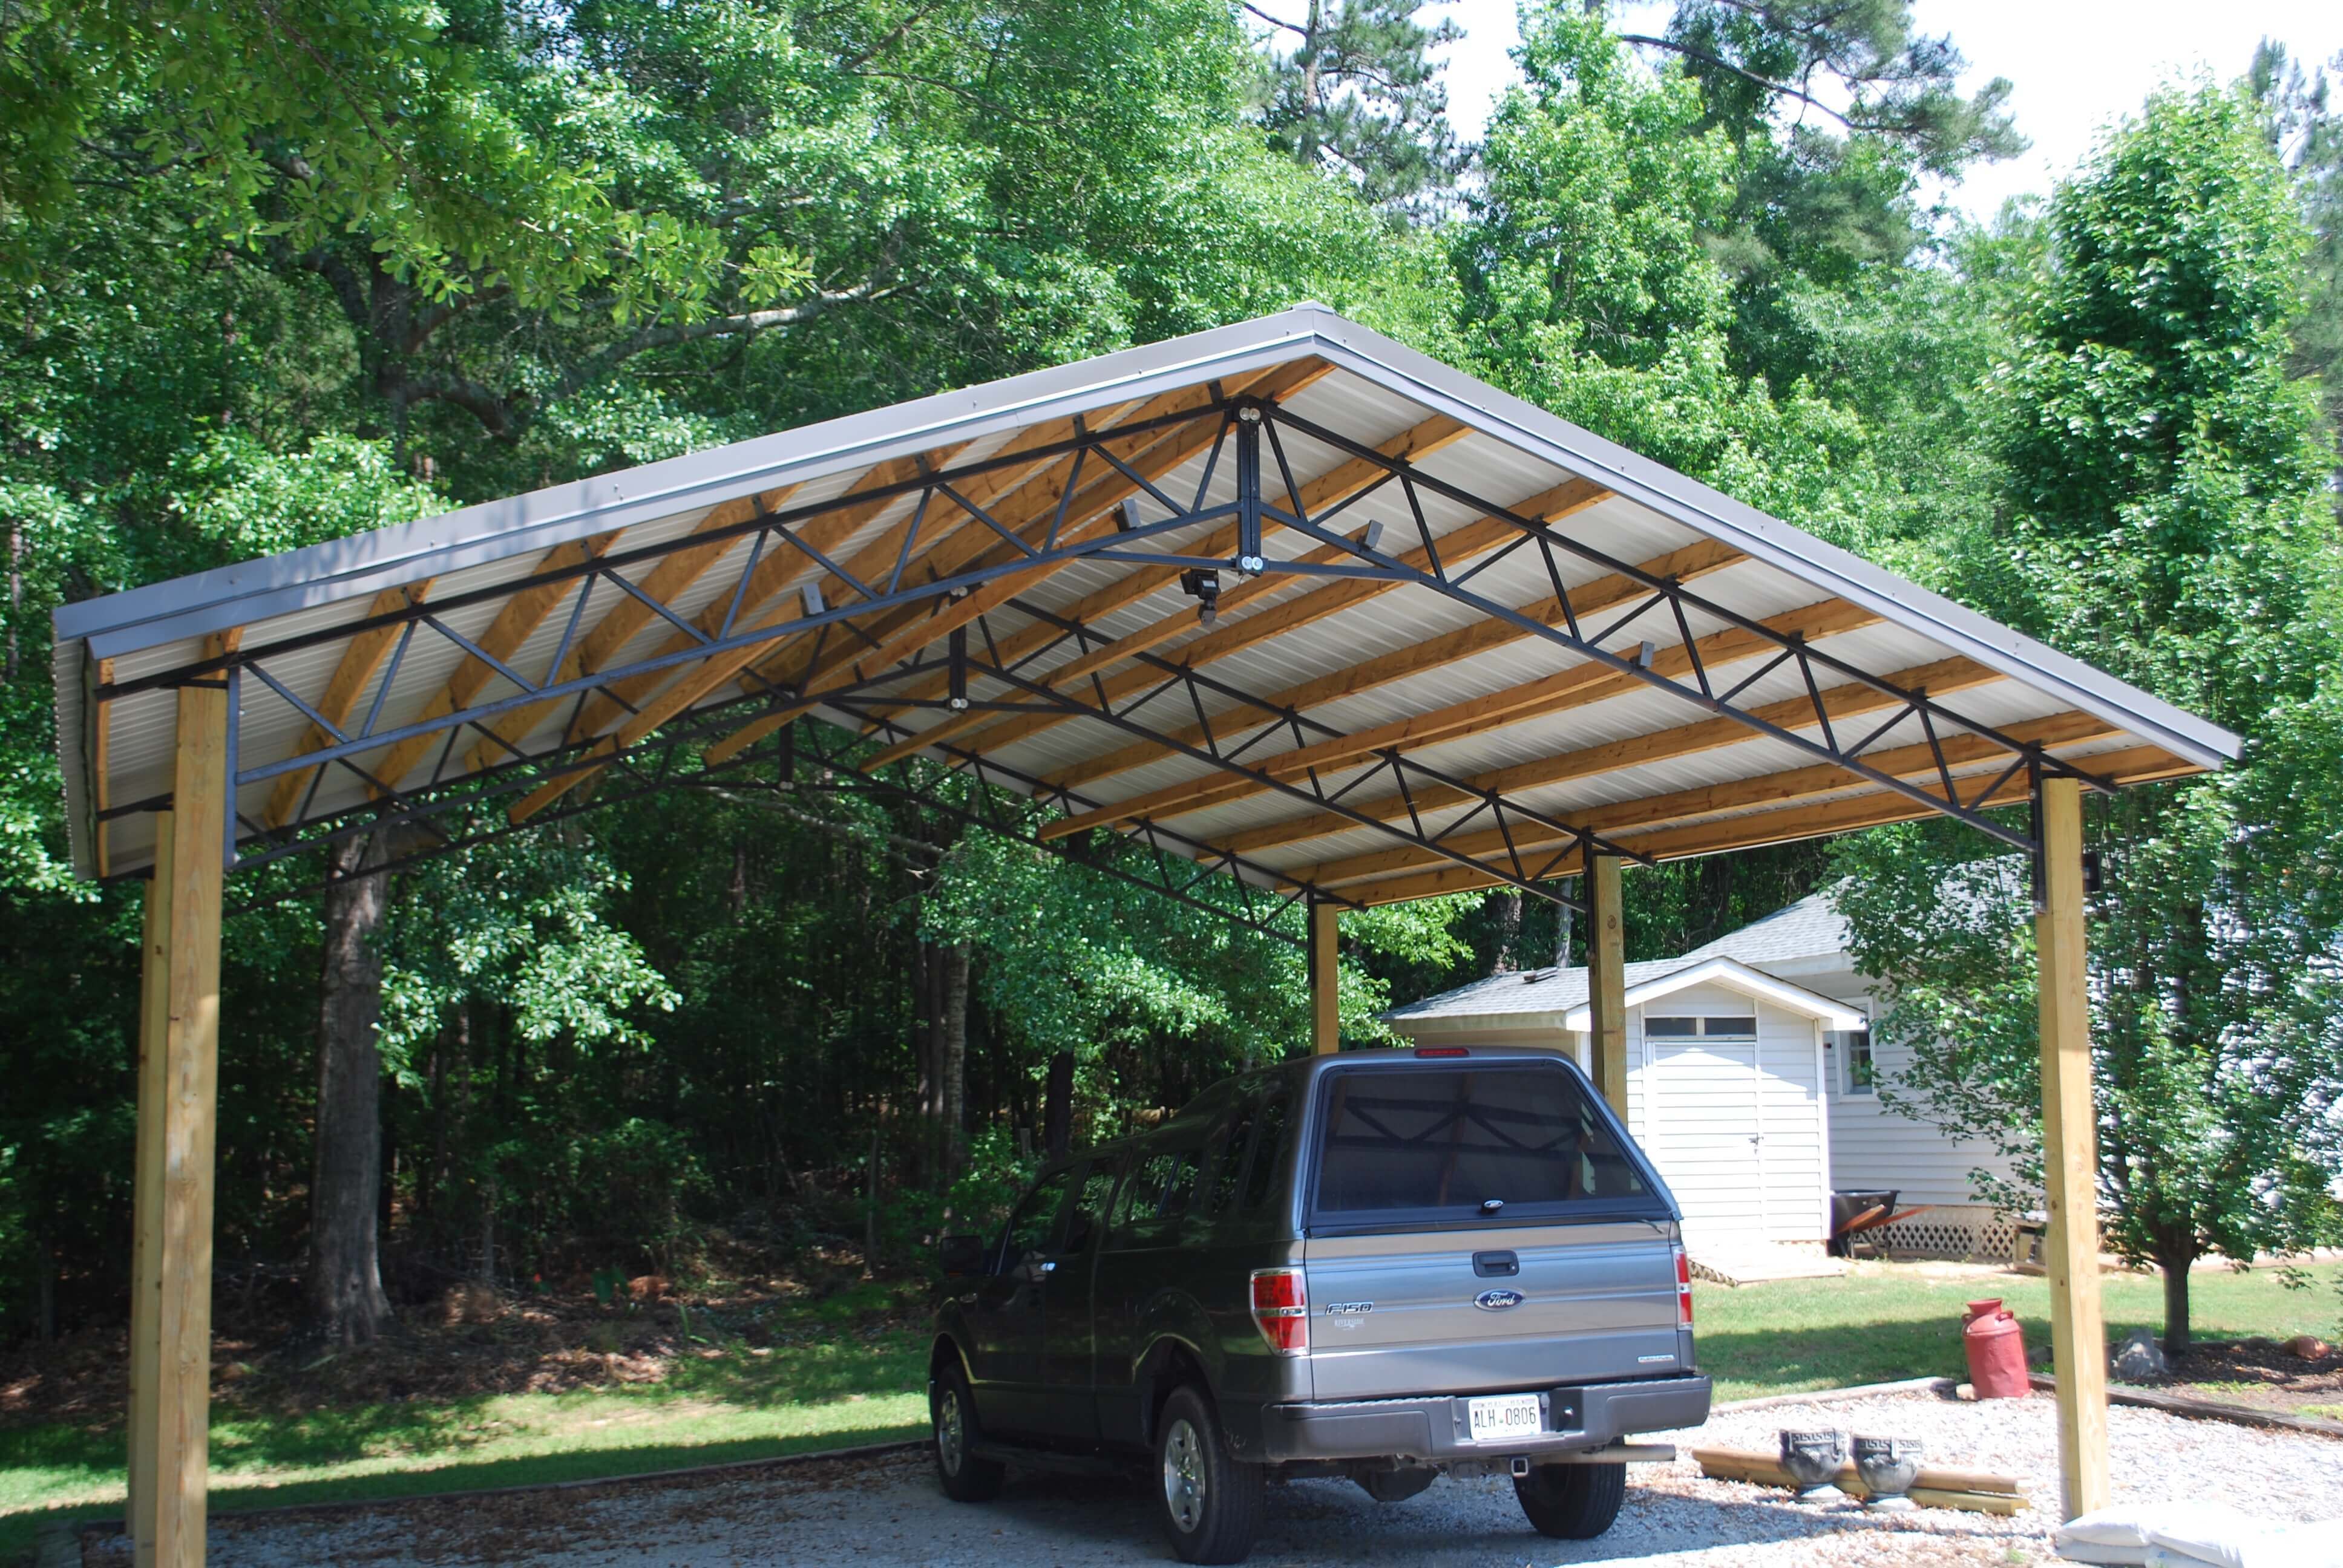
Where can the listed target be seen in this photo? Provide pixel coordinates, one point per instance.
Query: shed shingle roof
(1808, 928)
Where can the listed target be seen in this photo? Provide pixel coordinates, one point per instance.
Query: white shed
(1725, 1077)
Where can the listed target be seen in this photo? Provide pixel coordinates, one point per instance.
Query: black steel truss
(1672, 595)
(1251, 427)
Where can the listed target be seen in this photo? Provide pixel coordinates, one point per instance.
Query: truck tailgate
(1399, 1315)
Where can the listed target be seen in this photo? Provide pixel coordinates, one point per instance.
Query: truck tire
(1211, 1503)
(1571, 1501)
(965, 1477)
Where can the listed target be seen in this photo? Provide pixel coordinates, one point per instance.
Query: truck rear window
(1446, 1141)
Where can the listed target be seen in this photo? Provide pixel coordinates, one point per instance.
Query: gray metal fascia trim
(1769, 539)
(338, 569)
(68, 669)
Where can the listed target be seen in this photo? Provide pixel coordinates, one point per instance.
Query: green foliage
(288, 273)
(1589, 287)
(1896, 88)
(1356, 94)
(2307, 128)
(2162, 492)
(523, 929)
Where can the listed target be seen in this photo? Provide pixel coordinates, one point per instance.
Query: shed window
(1724, 1025)
(1850, 1050)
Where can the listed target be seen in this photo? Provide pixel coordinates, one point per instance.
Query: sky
(2074, 65)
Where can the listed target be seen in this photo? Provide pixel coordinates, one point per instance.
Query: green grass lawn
(1889, 1320)
(1883, 1323)
(738, 1404)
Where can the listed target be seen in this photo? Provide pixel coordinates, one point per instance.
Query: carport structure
(1317, 622)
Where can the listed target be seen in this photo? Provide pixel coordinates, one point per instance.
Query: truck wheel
(1212, 1503)
(965, 1477)
(1572, 1502)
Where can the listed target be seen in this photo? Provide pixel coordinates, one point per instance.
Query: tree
(2162, 515)
(1836, 112)
(1354, 93)
(2306, 127)
(1858, 64)
(260, 259)
(346, 1304)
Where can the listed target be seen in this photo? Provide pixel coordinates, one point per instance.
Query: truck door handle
(1496, 1265)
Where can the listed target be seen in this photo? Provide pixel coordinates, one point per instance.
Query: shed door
(1704, 1134)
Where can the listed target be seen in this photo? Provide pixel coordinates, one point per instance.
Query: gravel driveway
(886, 1513)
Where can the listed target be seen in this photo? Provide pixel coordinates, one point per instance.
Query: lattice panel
(1950, 1233)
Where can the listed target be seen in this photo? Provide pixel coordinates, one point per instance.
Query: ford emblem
(1497, 1300)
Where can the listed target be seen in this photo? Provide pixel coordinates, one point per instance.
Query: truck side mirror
(961, 1255)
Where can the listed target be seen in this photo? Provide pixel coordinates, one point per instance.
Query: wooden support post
(1326, 978)
(146, 1218)
(2070, 1157)
(1606, 980)
(178, 1092)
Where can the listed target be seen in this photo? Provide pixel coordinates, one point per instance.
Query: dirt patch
(470, 1341)
(2258, 1373)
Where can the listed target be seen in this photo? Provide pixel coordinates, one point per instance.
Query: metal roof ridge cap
(1739, 523)
(572, 506)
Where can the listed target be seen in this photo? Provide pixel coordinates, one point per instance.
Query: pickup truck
(1384, 1265)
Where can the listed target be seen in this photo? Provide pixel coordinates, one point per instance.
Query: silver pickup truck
(1385, 1265)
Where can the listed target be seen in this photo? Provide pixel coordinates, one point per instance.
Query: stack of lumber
(1973, 1490)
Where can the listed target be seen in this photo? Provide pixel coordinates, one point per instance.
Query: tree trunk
(954, 1050)
(871, 1208)
(346, 1299)
(16, 591)
(2176, 1303)
(1058, 1107)
(387, 1194)
(1562, 920)
(487, 1270)
(1509, 930)
(928, 1096)
(45, 1268)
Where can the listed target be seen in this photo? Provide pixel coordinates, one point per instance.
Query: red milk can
(1997, 1349)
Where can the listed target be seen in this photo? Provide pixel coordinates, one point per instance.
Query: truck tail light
(1684, 1287)
(1281, 1307)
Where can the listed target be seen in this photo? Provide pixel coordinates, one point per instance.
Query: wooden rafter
(1581, 683)
(101, 751)
(522, 614)
(1918, 760)
(1589, 600)
(774, 573)
(1873, 808)
(1849, 701)
(360, 659)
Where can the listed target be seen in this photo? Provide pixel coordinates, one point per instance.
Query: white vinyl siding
(1874, 1147)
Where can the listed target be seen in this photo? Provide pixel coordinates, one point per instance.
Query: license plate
(1505, 1415)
